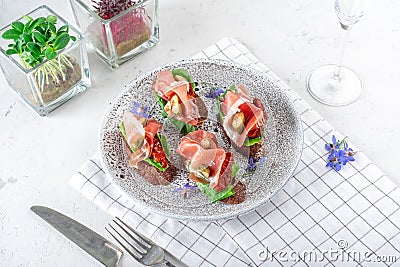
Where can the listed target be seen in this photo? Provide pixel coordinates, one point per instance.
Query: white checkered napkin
(195, 243)
(318, 209)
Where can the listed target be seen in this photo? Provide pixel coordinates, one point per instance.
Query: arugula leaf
(213, 195)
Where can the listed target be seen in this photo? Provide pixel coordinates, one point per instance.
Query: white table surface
(38, 155)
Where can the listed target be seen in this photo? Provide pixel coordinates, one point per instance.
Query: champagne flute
(335, 84)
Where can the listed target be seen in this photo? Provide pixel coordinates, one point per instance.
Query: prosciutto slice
(139, 138)
(239, 101)
(167, 87)
(200, 148)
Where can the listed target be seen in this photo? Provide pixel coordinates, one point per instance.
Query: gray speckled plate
(283, 142)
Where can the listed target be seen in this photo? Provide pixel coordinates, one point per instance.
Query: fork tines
(134, 243)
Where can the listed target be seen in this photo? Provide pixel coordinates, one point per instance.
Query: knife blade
(94, 244)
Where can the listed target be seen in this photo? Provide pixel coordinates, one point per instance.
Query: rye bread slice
(255, 151)
(150, 173)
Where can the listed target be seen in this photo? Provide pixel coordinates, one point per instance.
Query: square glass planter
(43, 87)
(120, 38)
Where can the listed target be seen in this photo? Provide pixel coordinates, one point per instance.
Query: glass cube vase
(121, 37)
(51, 83)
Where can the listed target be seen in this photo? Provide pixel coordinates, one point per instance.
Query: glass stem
(339, 62)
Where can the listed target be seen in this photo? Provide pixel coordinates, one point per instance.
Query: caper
(206, 143)
(238, 122)
(137, 144)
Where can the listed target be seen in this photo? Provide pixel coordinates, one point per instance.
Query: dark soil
(54, 89)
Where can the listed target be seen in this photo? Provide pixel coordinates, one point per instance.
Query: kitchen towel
(320, 216)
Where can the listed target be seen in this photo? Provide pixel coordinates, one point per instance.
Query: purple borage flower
(184, 189)
(340, 153)
(215, 93)
(252, 166)
(140, 110)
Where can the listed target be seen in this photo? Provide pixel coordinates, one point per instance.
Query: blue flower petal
(332, 155)
(262, 160)
(328, 147)
(329, 164)
(333, 139)
(337, 167)
(351, 158)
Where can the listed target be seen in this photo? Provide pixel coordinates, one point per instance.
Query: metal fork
(139, 247)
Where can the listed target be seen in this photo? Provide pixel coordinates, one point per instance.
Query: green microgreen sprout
(37, 40)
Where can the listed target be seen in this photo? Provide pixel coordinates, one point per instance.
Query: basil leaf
(213, 195)
(164, 144)
(162, 104)
(11, 34)
(183, 73)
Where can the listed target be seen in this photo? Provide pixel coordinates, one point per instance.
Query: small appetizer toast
(146, 148)
(213, 169)
(243, 119)
(174, 91)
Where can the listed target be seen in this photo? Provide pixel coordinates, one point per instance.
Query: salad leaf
(122, 129)
(152, 162)
(184, 127)
(184, 74)
(156, 164)
(162, 104)
(219, 103)
(164, 144)
(235, 169)
(213, 195)
(252, 141)
(248, 141)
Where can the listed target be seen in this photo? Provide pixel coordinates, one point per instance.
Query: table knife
(88, 240)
